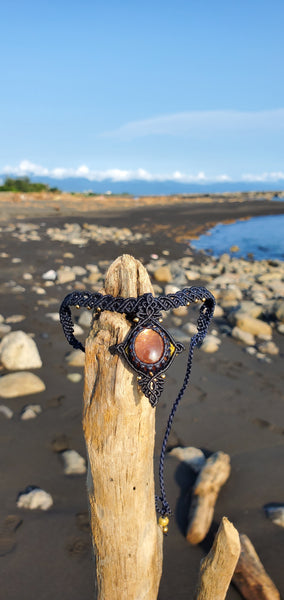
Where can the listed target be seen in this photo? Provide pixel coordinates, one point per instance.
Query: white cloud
(27, 168)
(200, 123)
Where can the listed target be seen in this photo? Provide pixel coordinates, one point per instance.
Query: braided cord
(146, 305)
(162, 505)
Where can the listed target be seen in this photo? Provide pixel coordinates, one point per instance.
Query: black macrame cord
(145, 311)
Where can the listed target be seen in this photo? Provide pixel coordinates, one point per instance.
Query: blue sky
(191, 91)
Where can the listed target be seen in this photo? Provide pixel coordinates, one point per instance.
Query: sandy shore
(234, 404)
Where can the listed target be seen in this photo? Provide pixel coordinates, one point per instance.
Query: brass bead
(188, 304)
(160, 320)
(139, 377)
(151, 373)
(203, 299)
(89, 308)
(163, 376)
(163, 521)
(196, 300)
(165, 529)
(136, 320)
(98, 309)
(77, 306)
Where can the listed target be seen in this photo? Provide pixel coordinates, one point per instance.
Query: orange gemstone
(149, 346)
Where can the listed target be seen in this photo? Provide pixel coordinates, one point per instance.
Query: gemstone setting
(149, 346)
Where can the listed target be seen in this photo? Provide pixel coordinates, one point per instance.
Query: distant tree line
(23, 184)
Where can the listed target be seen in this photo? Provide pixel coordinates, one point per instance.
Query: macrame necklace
(148, 348)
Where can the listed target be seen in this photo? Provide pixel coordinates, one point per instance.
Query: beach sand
(234, 403)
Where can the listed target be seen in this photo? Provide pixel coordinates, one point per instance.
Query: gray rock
(31, 411)
(74, 377)
(20, 384)
(6, 411)
(19, 351)
(50, 275)
(85, 318)
(268, 347)
(191, 456)
(34, 498)
(76, 358)
(275, 512)
(243, 336)
(74, 464)
(211, 344)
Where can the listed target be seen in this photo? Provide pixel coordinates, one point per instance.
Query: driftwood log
(119, 429)
(212, 476)
(218, 566)
(250, 576)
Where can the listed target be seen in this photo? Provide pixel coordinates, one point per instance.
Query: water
(262, 237)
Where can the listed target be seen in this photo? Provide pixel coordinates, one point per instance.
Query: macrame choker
(148, 348)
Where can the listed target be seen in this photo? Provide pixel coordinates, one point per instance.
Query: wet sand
(234, 404)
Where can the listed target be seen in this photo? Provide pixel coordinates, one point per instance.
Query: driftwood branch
(250, 576)
(119, 429)
(218, 566)
(207, 486)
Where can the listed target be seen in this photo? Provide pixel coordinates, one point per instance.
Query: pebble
(15, 318)
(50, 275)
(54, 316)
(16, 260)
(192, 275)
(163, 274)
(252, 325)
(38, 290)
(74, 463)
(78, 330)
(20, 384)
(268, 347)
(74, 377)
(4, 329)
(275, 512)
(65, 275)
(85, 318)
(6, 411)
(19, 351)
(279, 312)
(194, 457)
(76, 358)
(27, 276)
(243, 336)
(211, 344)
(34, 498)
(280, 328)
(190, 328)
(31, 411)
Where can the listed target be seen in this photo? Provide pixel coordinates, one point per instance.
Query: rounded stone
(149, 346)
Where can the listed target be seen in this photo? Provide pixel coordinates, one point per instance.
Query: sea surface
(258, 237)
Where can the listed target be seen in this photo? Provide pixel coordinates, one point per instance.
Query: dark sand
(234, 404)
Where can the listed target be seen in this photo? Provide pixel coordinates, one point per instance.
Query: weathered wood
(250, 576)
(217, 568)
(207, 486)
(119, 429)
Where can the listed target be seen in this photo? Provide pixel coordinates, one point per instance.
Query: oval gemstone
(149, 346)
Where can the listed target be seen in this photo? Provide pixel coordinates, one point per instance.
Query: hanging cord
(162, 505)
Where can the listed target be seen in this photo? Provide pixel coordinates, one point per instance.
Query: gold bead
(163, 521)
(77, 306)
(136, 320)
(160, 320)
(188, 304)
(98, 309)
(151, 373)
(89, 308)
(163, 376)
(203, 299)
(196, 300)
(139, 377)
(165, 529)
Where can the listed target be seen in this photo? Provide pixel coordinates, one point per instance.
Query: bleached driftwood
(207, 486)
(250, 576)
(218, 566)
(119, 429)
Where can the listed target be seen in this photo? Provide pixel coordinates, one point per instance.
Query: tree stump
(119, 429)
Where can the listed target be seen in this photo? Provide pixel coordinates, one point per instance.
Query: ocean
(258, 237)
